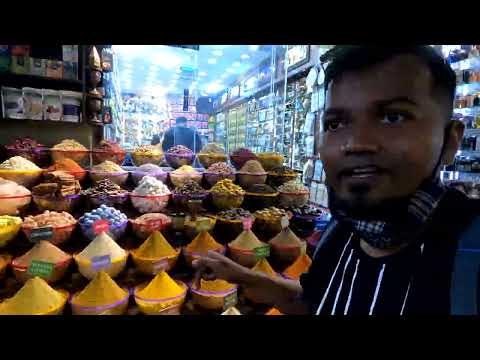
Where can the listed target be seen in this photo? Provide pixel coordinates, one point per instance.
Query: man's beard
(387, 210)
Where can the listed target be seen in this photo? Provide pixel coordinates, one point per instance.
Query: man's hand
(217, 266)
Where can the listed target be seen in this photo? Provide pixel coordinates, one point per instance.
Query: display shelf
(39, 82)
(471, 132)
(466, 64)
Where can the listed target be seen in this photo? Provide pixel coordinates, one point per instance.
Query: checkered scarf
(384, 235)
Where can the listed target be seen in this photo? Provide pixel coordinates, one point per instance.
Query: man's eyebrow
(397, 99)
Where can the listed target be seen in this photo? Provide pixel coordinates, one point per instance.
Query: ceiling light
(176, 76)
(230, 70)
(166, 60)
(202, 73)
(223, 76)
(245, 56)
(217, 52)
(212, 61)
(214, 87)
(179, 71)
(236, 64)
(254, 47)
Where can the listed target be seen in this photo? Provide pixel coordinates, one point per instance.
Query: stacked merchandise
(464, 173)
(66, 241)
(41, 104)
(232, 129)
(221, 129)
(21, 60)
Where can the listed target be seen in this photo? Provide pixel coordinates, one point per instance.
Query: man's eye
(393, 118)
(333, 125)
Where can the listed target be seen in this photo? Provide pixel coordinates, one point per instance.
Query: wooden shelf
(39, 82)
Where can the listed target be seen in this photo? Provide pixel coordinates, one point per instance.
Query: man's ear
(454, 136)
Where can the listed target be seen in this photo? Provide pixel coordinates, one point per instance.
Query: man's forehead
(400, 76)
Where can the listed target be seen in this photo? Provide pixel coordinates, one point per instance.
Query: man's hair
(344, 58)
(181, 120)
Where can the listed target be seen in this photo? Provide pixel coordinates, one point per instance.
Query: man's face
(383, 131)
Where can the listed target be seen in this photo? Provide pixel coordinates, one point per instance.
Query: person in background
(180, 134)
(400, 242)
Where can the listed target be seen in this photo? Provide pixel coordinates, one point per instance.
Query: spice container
(200, 246)
(162, 296)
(102, 296)
(299, 267)
(179, 156)
(287, 247)
(185, 174)
(244, 249)
(53, 226)
(146, 224)
(29, 149)
(240, 156)
(70, 167)
(270, 160)
(108, 151)
(27, 178)
(151, 195)
(149, 170)
(259, 196)
(102, 254)
(212, 295)
(117, 222)
(155, 255)
(47, 253)
(293, 194)
(9, 228)
(78, 156)
(230, 224)
(251, 173)
(14, 205)
(36, 297)
(56, 203)
(268, 222)
(208, 160)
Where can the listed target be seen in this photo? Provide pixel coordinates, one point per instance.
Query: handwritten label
(284, 222)
(41, 233)
(160, 266)
(247, 223)
(40, 268)
(262, 252)
(100, 226)
(101, 262)
(230, 300)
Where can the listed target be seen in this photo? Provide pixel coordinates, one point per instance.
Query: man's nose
(361, 140)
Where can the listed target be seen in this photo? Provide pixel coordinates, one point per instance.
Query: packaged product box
(20, 50)
(38, 67)
(20, 65)
(70, 53)
(4, 58)
(54, 69)
(70, 70)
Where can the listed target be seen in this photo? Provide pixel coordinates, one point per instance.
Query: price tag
(247, 223)
(40, 268)
(262, 252)
(156, 224)
(284, 222)
(100, 226)
(160, 266)
(41, 233)
(230, 300)
(101, 262)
